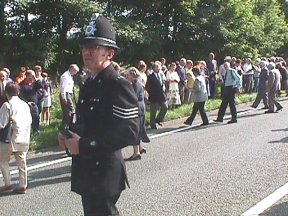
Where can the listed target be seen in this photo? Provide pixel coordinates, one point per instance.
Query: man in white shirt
(248, 72)
(66, 92)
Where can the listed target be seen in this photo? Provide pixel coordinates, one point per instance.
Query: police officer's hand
(72, 143)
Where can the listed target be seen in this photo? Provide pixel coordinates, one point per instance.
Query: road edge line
(267, 202)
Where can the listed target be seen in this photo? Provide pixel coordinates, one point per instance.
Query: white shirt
(66, 84)
(142, 78)
(247, 69)
(222, 71)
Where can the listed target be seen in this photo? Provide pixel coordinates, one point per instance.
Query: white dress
(47, 98)
(173, 94)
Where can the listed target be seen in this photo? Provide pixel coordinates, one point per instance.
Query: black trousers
(198, 106)
(153, 111)
(35, 118)
(261, 95)
(99, 206)
(228, 98)
(212, 85)
(67, 109)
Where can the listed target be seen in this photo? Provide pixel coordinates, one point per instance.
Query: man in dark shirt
(183, 78)
(28, 92)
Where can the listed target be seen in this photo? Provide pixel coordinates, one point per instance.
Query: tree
(38, 32)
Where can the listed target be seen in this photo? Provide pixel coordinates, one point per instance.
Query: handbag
(6, 132)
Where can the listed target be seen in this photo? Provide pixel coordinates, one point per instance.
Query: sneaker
(6, 188)
(20, 190)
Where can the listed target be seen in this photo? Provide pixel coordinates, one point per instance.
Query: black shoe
(232, 121)
(253, 106)
(265, 108)
(159, 123)
(132, 158)
(218, 120)
(153, 127)
(187, 123)
(279, 108)
(269, 111)
(203, 124)
(143, 150)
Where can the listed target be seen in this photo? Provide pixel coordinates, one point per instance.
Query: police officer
(108, 115)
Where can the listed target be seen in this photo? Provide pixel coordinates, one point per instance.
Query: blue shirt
(232, 78)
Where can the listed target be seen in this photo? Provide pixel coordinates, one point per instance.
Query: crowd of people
(184, 81)
(35, 89)
(161, 87)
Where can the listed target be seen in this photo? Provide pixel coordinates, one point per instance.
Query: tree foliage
(48, 32)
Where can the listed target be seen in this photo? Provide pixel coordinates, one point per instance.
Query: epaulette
(120, 78)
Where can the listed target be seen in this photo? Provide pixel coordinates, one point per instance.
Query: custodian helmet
(100, 31)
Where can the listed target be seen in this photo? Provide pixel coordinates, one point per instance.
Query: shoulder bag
(6, 132)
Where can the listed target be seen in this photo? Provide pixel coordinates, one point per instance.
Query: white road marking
(267, 202)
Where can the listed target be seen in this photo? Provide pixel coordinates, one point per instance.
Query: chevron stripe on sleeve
(125, 113)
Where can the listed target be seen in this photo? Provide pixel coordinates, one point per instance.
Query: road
(220, 169)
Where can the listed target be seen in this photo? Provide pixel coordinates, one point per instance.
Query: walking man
(157, 96)
(274, 85)
(262, 87)
(232, 85)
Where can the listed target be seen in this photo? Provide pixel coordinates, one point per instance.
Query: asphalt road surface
(220, 169)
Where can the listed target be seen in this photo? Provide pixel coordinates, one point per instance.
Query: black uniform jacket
(108, 114)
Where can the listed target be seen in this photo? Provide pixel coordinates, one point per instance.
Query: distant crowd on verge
(167, 86)
(35, 90)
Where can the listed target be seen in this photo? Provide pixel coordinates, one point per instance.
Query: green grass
(46, 138)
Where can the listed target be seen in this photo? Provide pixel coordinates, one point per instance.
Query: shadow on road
(277, 210)
(250, 115)
(280, 129)
(283, 140)
(49, 176)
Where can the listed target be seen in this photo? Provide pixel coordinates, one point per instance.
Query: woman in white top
(199, 97)
(173, 79)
